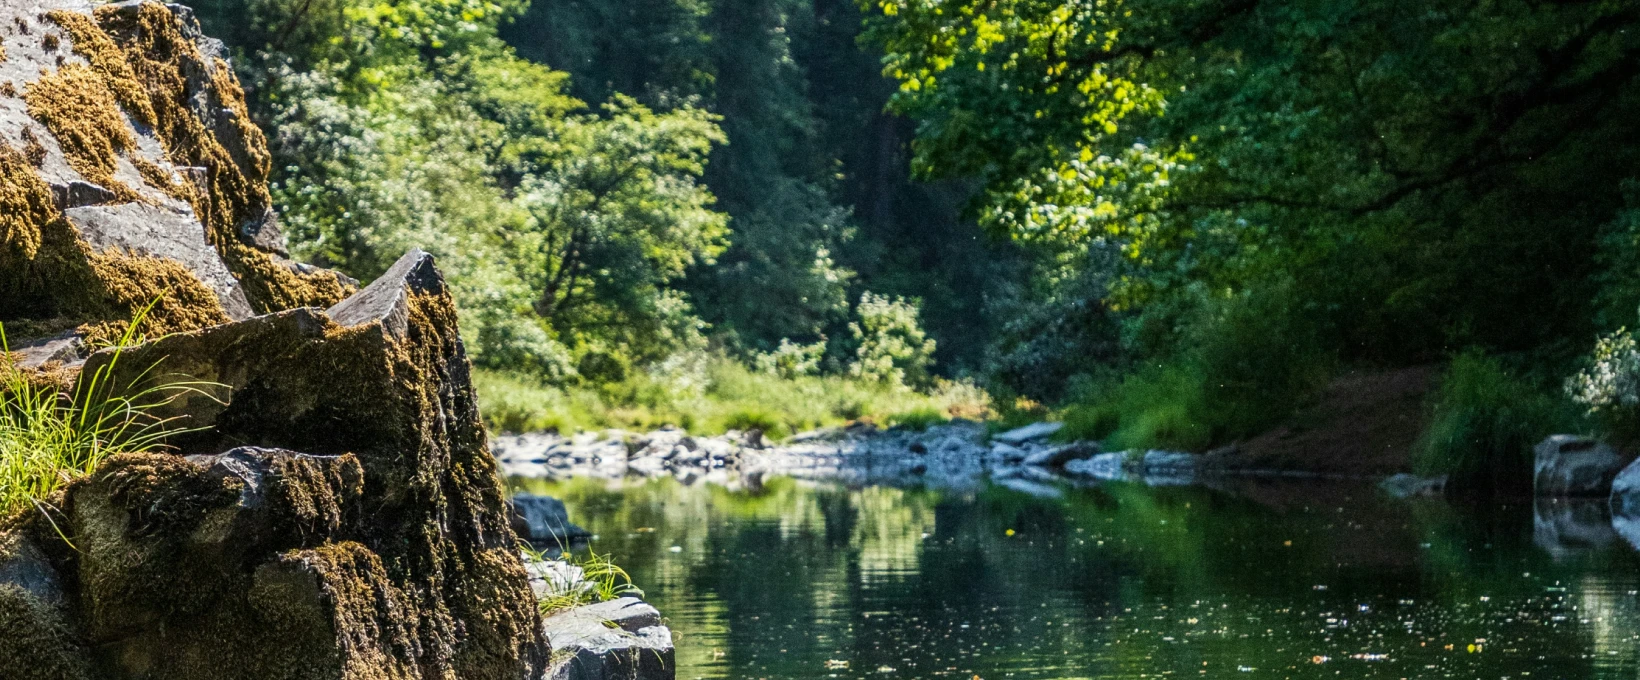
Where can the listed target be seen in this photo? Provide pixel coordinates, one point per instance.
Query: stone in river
(1029, 432)
(1572, 466)
(544, 520)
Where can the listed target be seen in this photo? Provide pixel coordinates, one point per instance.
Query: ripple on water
(807, 581)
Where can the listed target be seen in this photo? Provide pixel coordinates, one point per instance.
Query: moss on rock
(175, 74)
(80, 111)
(381, 379)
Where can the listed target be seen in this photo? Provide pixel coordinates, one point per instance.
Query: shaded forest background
(1168, 222)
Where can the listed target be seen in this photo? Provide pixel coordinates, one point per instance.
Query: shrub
(1484, 422)
(1251, 360)
(1609, 387)
(892, 346)
(791, 360)
(918, 419)
(746, 418)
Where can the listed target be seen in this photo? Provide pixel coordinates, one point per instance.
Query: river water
(1290, 580)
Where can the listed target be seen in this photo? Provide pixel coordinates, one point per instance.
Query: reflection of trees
(1115, 580)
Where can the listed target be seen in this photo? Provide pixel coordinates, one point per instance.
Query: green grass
(1484, 421)
(725, 396)
(48, 440)
(1248, 360)
(605, 581)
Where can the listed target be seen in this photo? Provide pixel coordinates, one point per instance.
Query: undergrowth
(1484, 421)
(725, 395)
(48, 438)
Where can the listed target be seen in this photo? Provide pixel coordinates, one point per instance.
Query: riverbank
(956, 455)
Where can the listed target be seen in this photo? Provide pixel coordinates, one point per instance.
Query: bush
(918, 419)
(893, 348)
(1162, 406)
(1484, 422)
(1251, 360)
(746, 418)
(791, 360)
(1609, 387)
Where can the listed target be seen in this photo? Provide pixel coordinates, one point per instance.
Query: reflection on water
(1119, 581)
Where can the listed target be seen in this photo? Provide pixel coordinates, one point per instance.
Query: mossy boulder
(334, 511)
(130, 176)
(381, 550)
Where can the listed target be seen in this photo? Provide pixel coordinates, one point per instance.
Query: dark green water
(1119, 581)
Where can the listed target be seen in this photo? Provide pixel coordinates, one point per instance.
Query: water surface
(1309, 580)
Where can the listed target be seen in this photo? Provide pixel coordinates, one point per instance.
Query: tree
(1423, 177)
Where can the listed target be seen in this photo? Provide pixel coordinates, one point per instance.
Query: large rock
(1571, 466)
(382, 550)
(1027, 433)
(621, 639)
(130, 176)
(543, 520)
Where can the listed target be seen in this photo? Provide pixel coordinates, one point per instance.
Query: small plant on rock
(48, 439)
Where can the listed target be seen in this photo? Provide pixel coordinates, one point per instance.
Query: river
(1269, 580)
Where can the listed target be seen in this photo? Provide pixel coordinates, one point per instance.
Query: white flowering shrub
(893, 348)
(790, 359)
(1610, 385)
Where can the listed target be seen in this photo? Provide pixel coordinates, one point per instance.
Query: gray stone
(78, 194)
(161, 232)
(622, 639)
(1029, 432)
(24, 567)
(263, 232)
(66, 348)
(544, 520)
(387, 299)
(1625, 497)
(1572, 466)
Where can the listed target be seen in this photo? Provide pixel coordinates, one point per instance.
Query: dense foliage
(1174, 218)
(1416, 181)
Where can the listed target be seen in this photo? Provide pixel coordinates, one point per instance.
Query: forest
(1169, 223)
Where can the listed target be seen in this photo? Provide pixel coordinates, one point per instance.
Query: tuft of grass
(48, 439)
(1484, 421)
(605, 581)
(725, 395)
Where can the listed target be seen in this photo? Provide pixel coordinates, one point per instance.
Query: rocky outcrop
(621, 639)
(1572, 466)
(333, 510)
(131, 176)
(382, 550)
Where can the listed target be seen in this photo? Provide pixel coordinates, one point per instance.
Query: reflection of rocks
(1568, 526)
(1568, 465)
(1407, 486)
(1155, 468)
